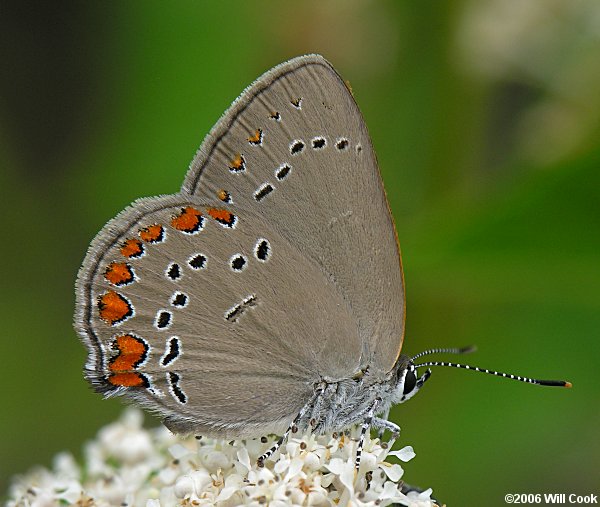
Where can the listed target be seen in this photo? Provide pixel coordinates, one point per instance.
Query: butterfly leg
(293, 428)
(382, 429)
(384, 424)
(322, 393)
(363, 431)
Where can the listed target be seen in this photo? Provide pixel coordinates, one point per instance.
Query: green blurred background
(485, 115)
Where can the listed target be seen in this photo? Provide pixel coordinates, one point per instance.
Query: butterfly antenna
(463, 350)
(558, 383)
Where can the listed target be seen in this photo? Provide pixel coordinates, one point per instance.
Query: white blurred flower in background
(550, 46)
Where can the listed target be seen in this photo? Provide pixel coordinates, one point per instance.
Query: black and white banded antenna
(463, 350)
(466, 350)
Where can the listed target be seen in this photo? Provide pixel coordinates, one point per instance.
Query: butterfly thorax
(339, 404)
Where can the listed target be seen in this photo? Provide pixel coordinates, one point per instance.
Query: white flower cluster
(128, 465)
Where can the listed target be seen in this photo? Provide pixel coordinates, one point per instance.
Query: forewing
(209, 316)
(295, 149)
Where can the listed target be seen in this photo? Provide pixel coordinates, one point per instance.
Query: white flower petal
(281, 465)
(260, 474)
(66, 466)
(244, 458)
(368, 461)
(390, 490)
(405, 454)
(278, 503)
(226, 493)
(213, 460)
(419, 499)
(295, 468)
(179, 451)
(347, 475)
(312, 461)
(336, 466)
(71, 493)
(394, 472)
(318, 499)
(168, 475)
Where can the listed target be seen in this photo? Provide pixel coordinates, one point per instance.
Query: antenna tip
(468, 349)
(568, 384)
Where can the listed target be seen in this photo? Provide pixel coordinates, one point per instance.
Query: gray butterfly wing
(294, 147)
(209, 317)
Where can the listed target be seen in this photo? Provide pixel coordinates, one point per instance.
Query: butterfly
(267, 295)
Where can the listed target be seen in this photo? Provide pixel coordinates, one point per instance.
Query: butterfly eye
(410, 381)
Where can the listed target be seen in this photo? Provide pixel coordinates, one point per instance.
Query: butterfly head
(408, 382)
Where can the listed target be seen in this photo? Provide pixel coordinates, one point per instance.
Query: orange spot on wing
(118, 273)
(131, 379)
(152, 234)
(132, 351)
(256, 138)
(222, 215)
(188, 220)
(223, 195)
(238, 163)
(132, 248)
(114, 308)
